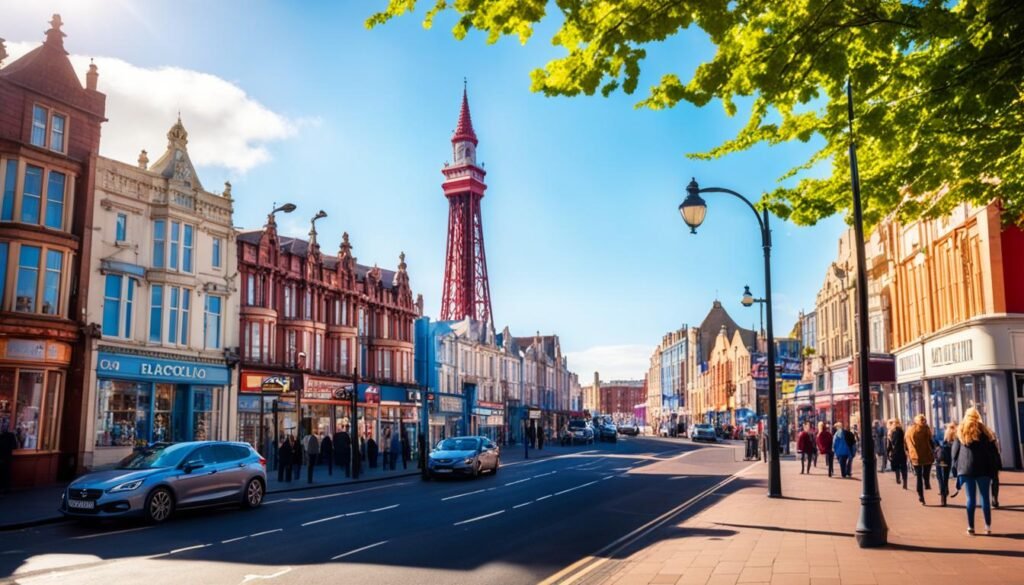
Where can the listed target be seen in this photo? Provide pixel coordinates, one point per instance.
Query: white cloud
(227, 128)
(613, 362)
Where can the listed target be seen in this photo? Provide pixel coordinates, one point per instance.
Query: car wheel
(253, 495)
(159, 505)
(476, 469)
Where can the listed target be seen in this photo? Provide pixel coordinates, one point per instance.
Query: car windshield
(577, 424)
(704, 427)
(156, 457)
(458, 445)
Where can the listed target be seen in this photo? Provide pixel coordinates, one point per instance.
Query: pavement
(807, 538)
(38, 506)
(521, 525)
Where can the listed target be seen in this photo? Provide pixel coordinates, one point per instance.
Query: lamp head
(693, 208)
(320, 215)
(747, 299)
(287, 208)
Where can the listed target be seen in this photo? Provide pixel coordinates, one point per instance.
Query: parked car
(155, 481)
(463, 456)
(580, 432)
(629, 429)
(704, 432)
(606, 431)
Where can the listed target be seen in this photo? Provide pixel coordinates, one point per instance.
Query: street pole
(872, 530)
(354, 425)
(774, 472)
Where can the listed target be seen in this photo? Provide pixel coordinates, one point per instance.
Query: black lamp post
(693, 209)
(748, 300)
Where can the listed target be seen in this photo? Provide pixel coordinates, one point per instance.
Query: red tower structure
(466, 290)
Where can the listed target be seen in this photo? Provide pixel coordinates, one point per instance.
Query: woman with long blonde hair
(974, 456)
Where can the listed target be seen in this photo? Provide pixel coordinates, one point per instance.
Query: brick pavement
(807, 538)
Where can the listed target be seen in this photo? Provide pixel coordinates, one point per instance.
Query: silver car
(463, 456)
(155, 481)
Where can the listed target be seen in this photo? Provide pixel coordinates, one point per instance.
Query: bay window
(42, 199)
(173, 244)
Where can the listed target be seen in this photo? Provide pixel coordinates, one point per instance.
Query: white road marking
(99, 534)
(356, 513)
(336, 494)
(266, 532)
(479, 518)
(360, 549)
(543, 498)
(392, 507)
(188, 548)
(543, 474)
(608, 477)
(521, 505)
(517, 481)
(327, 519)
(233, 539)
(575, 488)
(266, 577)
(461, 495)
(678, 477)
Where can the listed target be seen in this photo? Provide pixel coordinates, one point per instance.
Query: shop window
(212, 321)
(121, 228)
(27, 406)
(30, 407)
(51, 412)
(156, 313)
(118, 300)
(206, 414)
(163, 414)
(122, 413)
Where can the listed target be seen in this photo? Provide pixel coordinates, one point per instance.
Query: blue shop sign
(147, 368)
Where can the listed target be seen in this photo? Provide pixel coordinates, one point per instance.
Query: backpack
(851, 439)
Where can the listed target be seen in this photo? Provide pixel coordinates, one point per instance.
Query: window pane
(51, 282)
(122, 413)
(186, 252)
(26, 411)
(51, 409)
(159, 240)
(10, 181)
(172, 261)
(57, 134)
(205, 415)
(172, 315)
(121, 232)
(32, 194)
(156, 312)
(4, 248)
(28, 279)
(212, 321)
(186, 298)
(55, 200)
(129, 302)
(39, 116)
(112, 305)
(216, 252)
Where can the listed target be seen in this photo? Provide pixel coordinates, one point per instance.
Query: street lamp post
(286, 208)
(748, 300)
(693, 209)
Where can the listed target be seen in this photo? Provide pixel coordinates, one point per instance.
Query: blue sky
(301, 103)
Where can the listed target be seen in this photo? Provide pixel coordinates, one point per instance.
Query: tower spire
(464, 129)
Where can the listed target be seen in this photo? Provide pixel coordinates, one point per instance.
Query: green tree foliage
(939, 85)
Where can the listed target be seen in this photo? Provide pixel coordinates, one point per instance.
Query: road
(522, 525)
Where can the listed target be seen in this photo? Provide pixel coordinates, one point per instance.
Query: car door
(195, 486)
(232, 471)
(493, 450)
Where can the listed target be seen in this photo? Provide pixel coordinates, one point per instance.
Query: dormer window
(48, 129)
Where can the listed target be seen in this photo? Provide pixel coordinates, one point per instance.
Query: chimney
(92, 77)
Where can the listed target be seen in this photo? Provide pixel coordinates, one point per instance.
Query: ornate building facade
(163, 307)
(49, 143)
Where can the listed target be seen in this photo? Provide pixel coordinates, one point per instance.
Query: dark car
(704, 432)
(464, 456)
(580, 432)
(606, 431)
(155, 481)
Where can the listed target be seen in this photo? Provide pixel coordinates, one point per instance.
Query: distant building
(619, 397)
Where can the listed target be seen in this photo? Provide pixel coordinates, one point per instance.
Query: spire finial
(464, 129)
(54, 36)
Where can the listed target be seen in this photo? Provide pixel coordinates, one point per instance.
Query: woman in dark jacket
(406, 451)
(944, 460)
(327, 453)
(284, 460)
(974, 457)
(824, 440)
(371, 452)
(896, 451)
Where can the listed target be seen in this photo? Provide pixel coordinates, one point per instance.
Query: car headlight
(127, 486)
(468, 460)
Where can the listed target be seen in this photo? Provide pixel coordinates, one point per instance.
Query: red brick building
(49, 141)
(308, 322)
(618, 397)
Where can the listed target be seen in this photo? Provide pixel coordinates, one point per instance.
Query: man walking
(311, 446)
(879, 433)
(805, 447)
(343, 450)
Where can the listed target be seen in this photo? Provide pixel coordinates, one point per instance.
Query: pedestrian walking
(814, 443)
(385, 446)
(997, 466)
(944, 461)
(327, 453)
(371, 452)
(297, 456)
(879, 433)
(7, 443)
(406, 451)
(824, 440)
(784, 438)
(765, 444)
(540, 438)
(974, 458)
(919, 450)
(805, 447)
(844, 444)
(395, 450)
(311, 446)
(421, 444)
(284, 460)
(896, 450)
(343, 450)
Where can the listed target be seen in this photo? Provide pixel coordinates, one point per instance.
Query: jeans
(923, 473)
(845, 465)
(806, 459)
(829, 460)
(983, 483)
(901, 471)
(881, 458)
(942, 475)
(284, 472)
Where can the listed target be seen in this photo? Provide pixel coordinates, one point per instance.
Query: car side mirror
(192, 466)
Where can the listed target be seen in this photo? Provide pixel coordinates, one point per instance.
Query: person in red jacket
(825, 445)
(805, 447)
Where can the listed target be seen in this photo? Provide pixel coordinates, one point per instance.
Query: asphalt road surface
(525, 524)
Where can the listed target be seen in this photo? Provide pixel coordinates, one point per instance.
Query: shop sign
(276, 384)
(249, 403)
(321, 389)
(953, 353)
(36, 350)
(450, 403)
(371, 394)
(534, 414)
(130, 366)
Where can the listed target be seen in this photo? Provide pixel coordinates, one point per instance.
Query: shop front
(326, 405)
(156, 397)
(32, 378)
(266, 411)
(398, 411)
(490, 420)
(447, 417)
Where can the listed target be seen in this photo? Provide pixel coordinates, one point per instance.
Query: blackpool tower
(466, 290)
